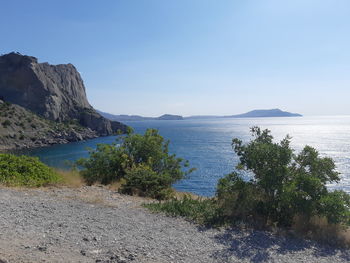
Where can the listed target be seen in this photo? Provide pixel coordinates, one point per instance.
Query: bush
(285, 190)
(283, 186)
(202, 211)
(239, 200)
(105, 165)
(143, 181)
(25, 171)
(143, 161)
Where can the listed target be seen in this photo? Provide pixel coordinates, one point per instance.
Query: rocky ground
(94, 224)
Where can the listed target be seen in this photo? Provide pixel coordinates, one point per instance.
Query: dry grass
(95, 199)
(181, 195)
(320, 230)
(116, 186)
(71, 178)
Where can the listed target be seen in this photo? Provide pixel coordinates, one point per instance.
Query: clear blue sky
(190, 57)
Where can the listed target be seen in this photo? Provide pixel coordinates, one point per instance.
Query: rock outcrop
(56, 92)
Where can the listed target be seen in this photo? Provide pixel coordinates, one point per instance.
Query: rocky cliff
(55, 92)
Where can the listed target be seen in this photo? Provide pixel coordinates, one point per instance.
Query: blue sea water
(207, 145)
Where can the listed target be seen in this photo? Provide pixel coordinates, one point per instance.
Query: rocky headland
(43, 104)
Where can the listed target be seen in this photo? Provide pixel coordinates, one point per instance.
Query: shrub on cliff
(283, 185)
(25, 171)
(143, 161)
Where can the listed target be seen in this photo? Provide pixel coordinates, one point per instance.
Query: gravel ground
(94, 224)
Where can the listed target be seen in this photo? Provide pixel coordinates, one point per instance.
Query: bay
(206, 143)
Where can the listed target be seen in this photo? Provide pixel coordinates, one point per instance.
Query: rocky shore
(95, 224)
(20, 129)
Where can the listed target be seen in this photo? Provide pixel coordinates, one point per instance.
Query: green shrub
(335, 207)
(239, 200)
(285, 189)
(143, 181)
(25, 171)
(284, 185)
(143, 161)
(202, 211)
(106, 164)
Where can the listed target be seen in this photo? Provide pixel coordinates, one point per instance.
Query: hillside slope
(55, 92)
(20, 128)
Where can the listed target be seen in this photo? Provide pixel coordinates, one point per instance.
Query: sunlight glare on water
(207, 145)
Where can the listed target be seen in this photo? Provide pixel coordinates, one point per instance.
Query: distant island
(124, 117)
(170, 117)
(265, 113)
(251, 114)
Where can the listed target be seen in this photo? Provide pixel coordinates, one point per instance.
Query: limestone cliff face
(55, 92)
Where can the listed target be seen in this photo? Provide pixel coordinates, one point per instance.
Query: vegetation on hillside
(25, 171)
(141, 162)
(200, 210)
(285, 190)
(21, 128)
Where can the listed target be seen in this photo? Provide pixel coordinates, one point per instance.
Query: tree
(142, 161)
(283, 185)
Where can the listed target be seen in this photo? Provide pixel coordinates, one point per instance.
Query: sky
(192, 57)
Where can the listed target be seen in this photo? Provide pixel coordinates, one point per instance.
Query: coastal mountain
(138, 117)
(252, 114)
(53, 92)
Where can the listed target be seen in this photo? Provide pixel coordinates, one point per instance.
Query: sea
(206, 144)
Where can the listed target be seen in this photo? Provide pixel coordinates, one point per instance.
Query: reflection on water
(207, 144)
